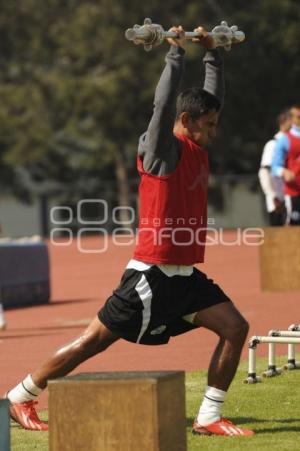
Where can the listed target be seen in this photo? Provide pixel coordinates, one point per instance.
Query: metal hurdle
(292, 332)
(291, 363)
(290, 337)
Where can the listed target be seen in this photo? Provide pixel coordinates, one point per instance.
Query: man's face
(295, 116)
(204, 129)
(286, 125)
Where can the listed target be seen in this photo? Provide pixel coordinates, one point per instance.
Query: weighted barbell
(152, 35)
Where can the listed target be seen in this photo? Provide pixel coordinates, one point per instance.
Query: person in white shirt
(273, 186)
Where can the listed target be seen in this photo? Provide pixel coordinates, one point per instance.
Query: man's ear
(185, 119)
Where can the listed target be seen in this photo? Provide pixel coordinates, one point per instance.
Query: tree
(75, 95)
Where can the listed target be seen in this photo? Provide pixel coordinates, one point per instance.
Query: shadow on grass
(235, 420)
(246, 420)
(277, 429)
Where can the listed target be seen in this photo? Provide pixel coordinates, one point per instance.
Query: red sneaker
(220, 427)
(26, 415)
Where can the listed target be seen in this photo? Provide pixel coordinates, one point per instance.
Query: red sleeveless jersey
(173, 210)
(293, 164)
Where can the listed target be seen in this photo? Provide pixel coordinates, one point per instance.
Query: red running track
(81, 282)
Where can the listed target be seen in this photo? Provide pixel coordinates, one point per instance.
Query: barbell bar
(152, 35)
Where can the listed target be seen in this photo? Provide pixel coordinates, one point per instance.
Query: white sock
(210, 410)
(25, 391)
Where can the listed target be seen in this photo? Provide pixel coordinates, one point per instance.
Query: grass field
(272, 409)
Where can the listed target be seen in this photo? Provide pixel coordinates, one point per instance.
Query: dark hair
(283, 116)
(196, 102)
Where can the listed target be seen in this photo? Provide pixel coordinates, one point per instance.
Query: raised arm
(213, 63)
(214, 74)
(158, 146)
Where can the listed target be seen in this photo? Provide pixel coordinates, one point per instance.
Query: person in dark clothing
(161, 293)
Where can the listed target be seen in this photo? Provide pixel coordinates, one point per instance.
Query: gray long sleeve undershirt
(158, 146)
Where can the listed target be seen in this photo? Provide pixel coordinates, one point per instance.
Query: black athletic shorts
(149, 307)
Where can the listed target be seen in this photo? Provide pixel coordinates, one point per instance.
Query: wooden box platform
(280, 259)
(128, 411)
